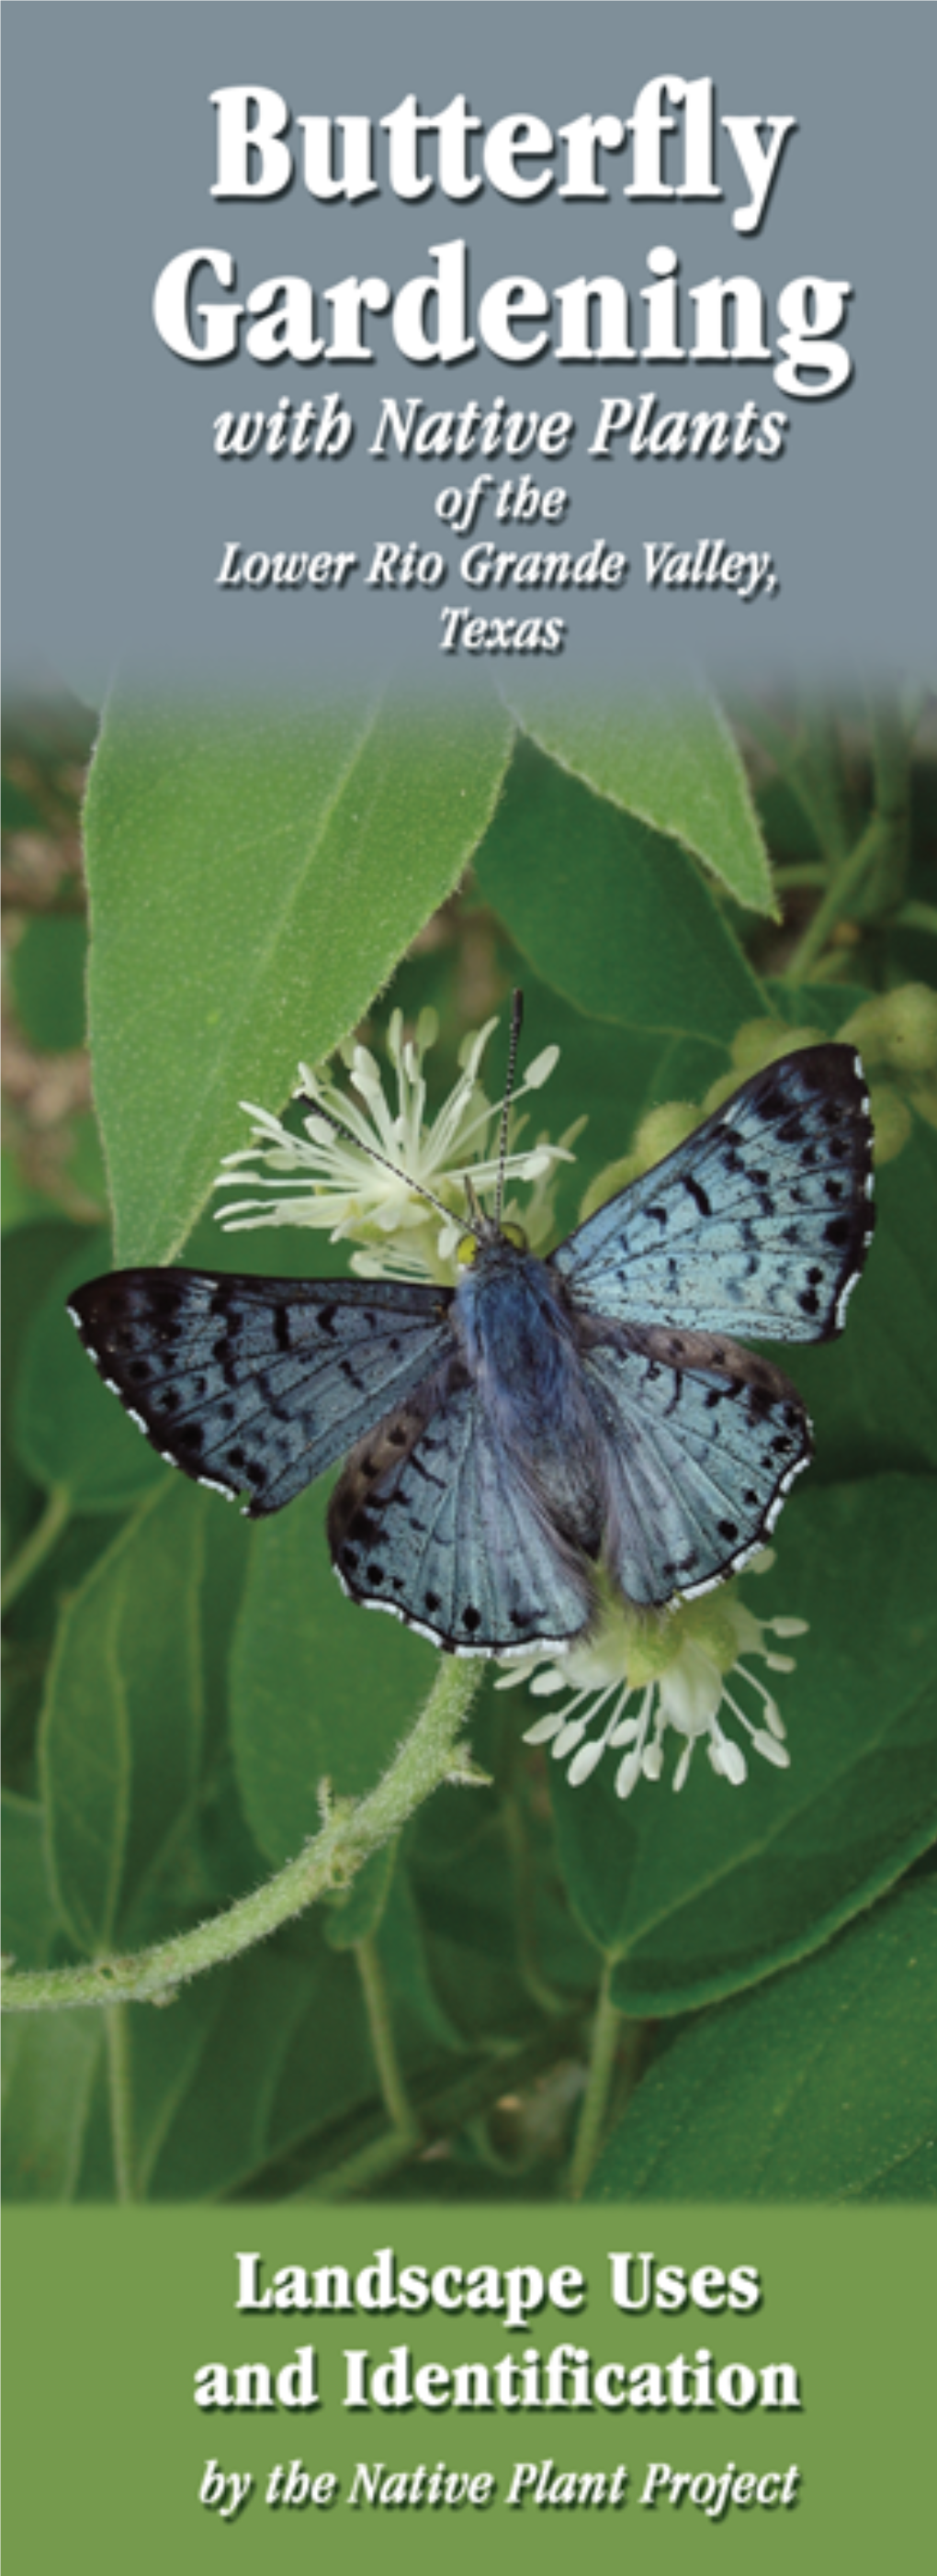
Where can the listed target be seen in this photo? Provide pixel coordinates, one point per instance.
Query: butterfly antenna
(303, 1101)
(517, 1016)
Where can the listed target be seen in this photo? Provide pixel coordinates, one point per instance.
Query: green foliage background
(179, 1684)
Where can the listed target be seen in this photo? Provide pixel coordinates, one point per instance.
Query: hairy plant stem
(429, 1756)
(605, 2034)
(380, 2024)
(37, 1546)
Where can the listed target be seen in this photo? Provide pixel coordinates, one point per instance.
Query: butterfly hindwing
(436, 1519)
(703, 1442)
(256, 1385)
(757, 1225)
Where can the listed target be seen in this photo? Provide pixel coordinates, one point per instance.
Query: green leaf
(422, 2022)
(222, 1854)
(69, 1429)
(254, 879)
(698, 1895)
(285, 2055)
(610, 912)
(462, 1877)
(32, 1255)
(227, 1561)
(672, 763)
(30, 1920)
(50, 2061)
(873, 1397)
(82, 1180)
(495, 1919)
(121, 1727)
(320, 1690)
(165, 2047)
(29, 1636)
(357, 1913)
(823, 2088)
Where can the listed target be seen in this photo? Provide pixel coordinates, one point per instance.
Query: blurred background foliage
(732, 1991)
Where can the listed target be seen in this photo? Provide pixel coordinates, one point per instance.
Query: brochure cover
(470, 788)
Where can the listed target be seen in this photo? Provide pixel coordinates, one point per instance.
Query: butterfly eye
(515, 1234)
(466, 1250)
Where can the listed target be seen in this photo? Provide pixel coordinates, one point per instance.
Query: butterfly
(504, 1437)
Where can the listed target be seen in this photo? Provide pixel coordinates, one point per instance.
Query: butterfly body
(504, 1436)
(521, 1345)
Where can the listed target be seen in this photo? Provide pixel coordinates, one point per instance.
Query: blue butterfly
(505, 1436)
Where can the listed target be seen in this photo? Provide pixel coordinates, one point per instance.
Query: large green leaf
(496, 1924)
(283, 2055)
(29, 1635)
(163, 2049)
(32, 1255)
(50, 2062)
(700, 1894)
(121, 1728)
(823, 2088)
(613, 914)
(30, 1920)
(254, 878)
(670, 762)
(422, 2023)
(320, 1690)
(244, 2065)
(228, 1538)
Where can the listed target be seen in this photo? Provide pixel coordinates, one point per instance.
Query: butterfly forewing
(757, 1225)
(256, 1385)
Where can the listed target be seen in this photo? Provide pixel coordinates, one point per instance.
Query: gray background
(118, 510)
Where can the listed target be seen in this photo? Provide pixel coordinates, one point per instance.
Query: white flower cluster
(642, 1674)
(327, 1177)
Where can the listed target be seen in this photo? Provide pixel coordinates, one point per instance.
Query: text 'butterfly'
(506, 1436)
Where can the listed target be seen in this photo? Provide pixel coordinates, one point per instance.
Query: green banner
(399, 2380)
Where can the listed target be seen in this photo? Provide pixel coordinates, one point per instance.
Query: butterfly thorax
(518, 1339)
(510, 1323)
